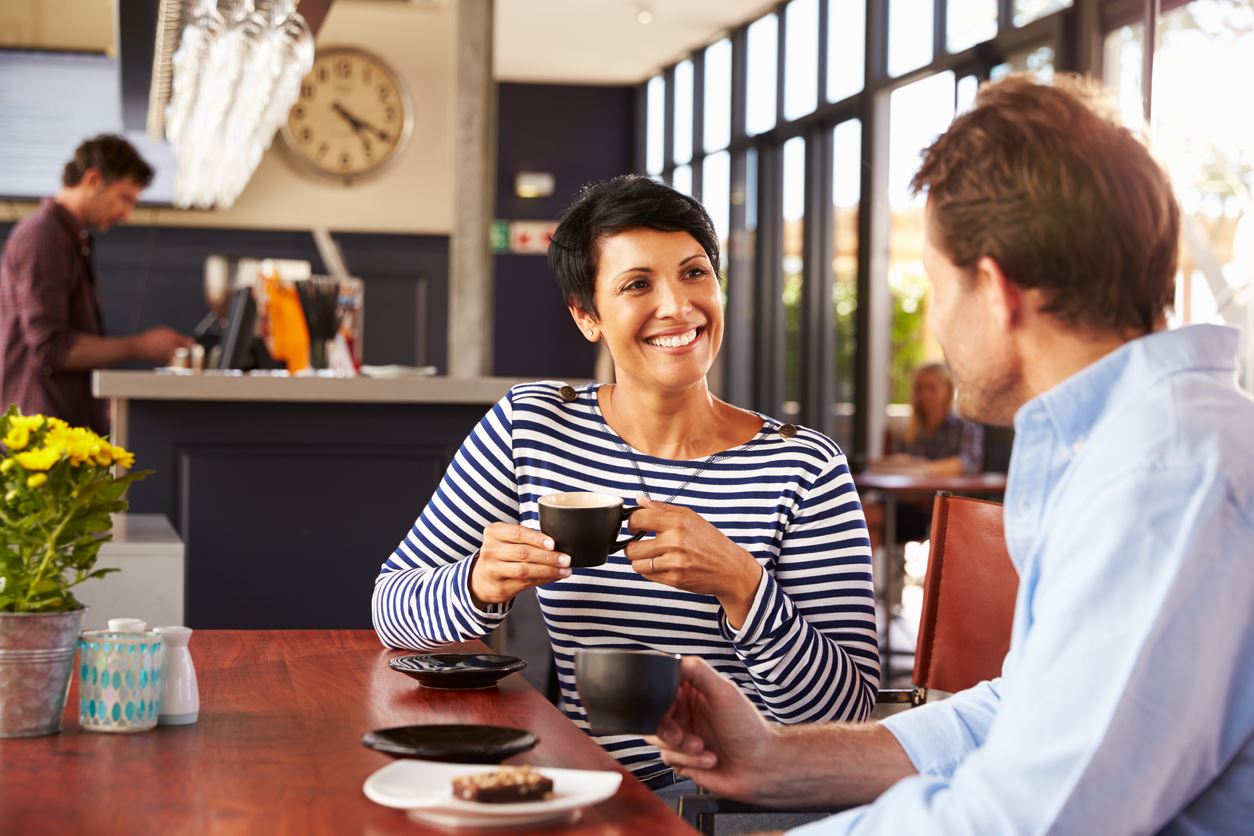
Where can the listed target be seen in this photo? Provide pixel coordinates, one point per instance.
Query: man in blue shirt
(1126, 702)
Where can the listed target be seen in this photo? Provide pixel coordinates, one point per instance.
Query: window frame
(750, 373)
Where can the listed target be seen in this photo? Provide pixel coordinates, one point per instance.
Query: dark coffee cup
(625, 691)
(585, 525)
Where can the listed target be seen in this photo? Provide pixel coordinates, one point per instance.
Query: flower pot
(36, 661)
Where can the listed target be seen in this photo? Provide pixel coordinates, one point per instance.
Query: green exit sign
(498, 237)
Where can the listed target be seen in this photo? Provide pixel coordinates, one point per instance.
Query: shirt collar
(50, 205)
(1075, 405)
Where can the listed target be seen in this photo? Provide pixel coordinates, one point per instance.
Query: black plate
(457, 671)
(459, 744)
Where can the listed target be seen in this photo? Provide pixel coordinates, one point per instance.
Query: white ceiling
(553, 41)
(602, 42)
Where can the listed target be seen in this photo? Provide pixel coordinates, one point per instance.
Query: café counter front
(288, 492)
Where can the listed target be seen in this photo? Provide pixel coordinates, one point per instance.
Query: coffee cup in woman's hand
(585, 525)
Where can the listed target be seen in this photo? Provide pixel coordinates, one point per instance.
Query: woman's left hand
(689, 553)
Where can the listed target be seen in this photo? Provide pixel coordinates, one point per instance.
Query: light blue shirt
(1126, 702)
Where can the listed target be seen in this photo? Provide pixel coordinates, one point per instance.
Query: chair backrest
(968, 596)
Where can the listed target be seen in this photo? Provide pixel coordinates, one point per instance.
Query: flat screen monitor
(239, 334)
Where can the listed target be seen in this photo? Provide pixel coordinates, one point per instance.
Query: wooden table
(898, 486)
(278, 749)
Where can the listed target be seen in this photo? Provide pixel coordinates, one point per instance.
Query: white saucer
(425, 790)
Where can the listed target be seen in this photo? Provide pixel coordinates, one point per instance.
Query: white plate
(425, 789)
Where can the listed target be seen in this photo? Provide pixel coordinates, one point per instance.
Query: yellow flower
(124, 458)
(30, 422)
(78, 444)
(41, 458)
(7, 465)
(17, 437)
(36, 479)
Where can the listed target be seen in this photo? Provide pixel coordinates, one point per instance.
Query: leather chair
(964, 634)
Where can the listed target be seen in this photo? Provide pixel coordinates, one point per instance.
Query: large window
(1204, 133)
(801, 57)
(763, 43)
(846, 201)
(918, 113)
(789, 129)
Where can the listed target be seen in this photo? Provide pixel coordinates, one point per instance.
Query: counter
(289, 493)
(149, 553)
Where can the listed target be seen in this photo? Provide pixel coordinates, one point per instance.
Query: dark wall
(579, 135)
(154, 276)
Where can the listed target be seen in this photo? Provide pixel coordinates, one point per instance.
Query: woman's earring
(591, 332)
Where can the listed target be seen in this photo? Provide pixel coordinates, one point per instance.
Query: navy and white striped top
(807, 650)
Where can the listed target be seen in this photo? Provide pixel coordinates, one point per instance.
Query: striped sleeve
(422, 594)
(809, 641)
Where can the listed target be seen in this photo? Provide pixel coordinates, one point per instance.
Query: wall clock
(353, 117)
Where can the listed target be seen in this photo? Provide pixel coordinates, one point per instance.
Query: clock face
(352, 117)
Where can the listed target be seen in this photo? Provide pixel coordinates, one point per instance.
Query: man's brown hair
(112, 156)
(1043, 179)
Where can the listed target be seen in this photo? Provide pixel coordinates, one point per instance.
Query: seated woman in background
(760, 561)
(936, 443)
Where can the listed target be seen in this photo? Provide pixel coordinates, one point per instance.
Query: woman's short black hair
(614, 206)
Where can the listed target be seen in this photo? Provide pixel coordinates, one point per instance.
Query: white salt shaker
(180, 695)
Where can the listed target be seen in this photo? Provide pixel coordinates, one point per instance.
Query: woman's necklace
(696, 470)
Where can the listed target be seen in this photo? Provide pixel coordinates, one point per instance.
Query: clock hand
(359, 125)
(353, 122)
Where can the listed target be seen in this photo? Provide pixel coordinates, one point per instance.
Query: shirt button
(1024, 504)
(1077, 447)
(568, 394)
(787, 430)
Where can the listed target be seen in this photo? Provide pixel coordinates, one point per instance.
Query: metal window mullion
(824, 18)
(698, 124)
(875, 73)
(940, 18)
(668, 121)
(1149, 21)
(769, 356)
(876, 47)
(781, 50)
(818, 320)
(1005, 15)
(642, 128)
(741, 277)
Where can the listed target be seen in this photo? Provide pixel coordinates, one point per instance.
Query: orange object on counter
(289, 334)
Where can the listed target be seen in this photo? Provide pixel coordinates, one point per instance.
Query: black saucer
(457, 671)
(458, 744)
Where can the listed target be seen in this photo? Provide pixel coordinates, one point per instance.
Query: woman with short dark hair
(759, 560)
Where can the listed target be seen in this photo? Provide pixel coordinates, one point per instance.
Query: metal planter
(36, 661)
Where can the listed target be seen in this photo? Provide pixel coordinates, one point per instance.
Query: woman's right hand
(513, 558)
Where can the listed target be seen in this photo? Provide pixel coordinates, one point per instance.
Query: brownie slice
(506, 785)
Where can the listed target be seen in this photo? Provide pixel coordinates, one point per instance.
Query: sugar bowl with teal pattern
(119, 680)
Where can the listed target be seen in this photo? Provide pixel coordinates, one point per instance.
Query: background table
(278, 749)
(898, 486)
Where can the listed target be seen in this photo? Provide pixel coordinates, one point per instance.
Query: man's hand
(157, 345)
(716, 737)
(513, 558)
(90, 351)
